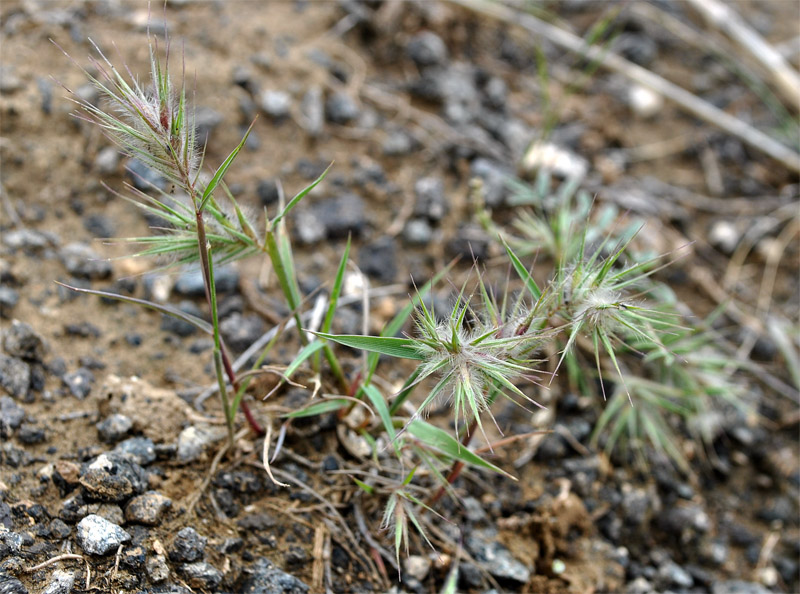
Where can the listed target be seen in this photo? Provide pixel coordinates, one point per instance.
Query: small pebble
(30, 434)
(645, 102)
(194, 441)
(427, 49)
(157, 568)
(114, 427)
(140, 450)
(264, 576)
(60, 582)
(417, 566)
(267, 192)
(431, 199)
(240, 331)
(341, 109)
(11, 415)
(202, 575)
(83, 262)
(417, 232)
(15, 376)
(8, 300)
(79, 382)
(313, 109)
(21, 340)
(148, 508)
(188, 546)
(107, 160)
(379, 260)
(98, 536)
(276, 104)
(30, 240)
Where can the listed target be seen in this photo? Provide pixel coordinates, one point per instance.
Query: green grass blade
(300, 195)
(336, 290)
(379, 403)
(404, 348)
(304, 354)
(368, 489)
(215, 181)
(164, 309)
(448, 445)
(318, 408)
(523, 273)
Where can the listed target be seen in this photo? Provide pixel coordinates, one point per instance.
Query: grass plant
(593, 305)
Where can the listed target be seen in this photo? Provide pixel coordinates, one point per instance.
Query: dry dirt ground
(575, 520)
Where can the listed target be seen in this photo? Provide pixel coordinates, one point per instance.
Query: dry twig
(724, 17)
(686, 100)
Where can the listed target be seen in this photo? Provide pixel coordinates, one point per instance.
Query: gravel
(148, 508)
(431, 201)
(8, 300)
(264, 578)
(341, 215)
(188, 546)
(79, 382)
(98, 536)
(114, 427)
(11, 416)
(15, 376)
(140, 450)
(240, 331)
(378, 260)
(201, 575)
(497, 558)
(61, 582)
(195, 440)
(427, 49)
(83, 262)
(190, 282)
(341, 109)
(276, 104)
(21, 340)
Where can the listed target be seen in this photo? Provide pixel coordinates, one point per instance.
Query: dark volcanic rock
(202, 575)
(341, 109)
(141, 450)
(188, 546)
(79, 382)
(83, 262)
(21, 340)
(431, 199)
(11, 416)
(114, 427)
(427, 49)
(15, 376)
(8, 300)
(181, 327)
(11, 585)
(497, 558)
(240, 331)
(341, 215)
(265, 578)
(379, 259)
(111, 477)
